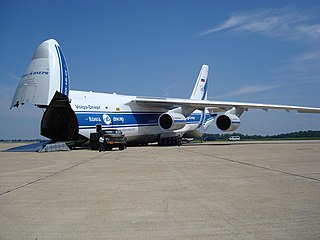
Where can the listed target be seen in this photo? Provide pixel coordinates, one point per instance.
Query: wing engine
(172, 121)
(228, 122)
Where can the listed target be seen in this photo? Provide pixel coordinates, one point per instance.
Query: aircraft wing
(189, 105)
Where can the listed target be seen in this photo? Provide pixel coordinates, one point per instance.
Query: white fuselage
(139, 124)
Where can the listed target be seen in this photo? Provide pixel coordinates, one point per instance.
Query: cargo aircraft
(73, 115)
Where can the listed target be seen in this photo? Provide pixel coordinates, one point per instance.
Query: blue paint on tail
(64, 74)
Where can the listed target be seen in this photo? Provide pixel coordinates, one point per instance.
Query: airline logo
(87, 107)
(94, 119)
(36, 73)
(201, 89)
(106, 118)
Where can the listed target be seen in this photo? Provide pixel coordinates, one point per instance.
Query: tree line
(293, 135)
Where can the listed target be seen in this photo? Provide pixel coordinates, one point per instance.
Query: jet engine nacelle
(228, 122)
(172, 121)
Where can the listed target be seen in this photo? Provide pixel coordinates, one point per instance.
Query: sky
(257, 51)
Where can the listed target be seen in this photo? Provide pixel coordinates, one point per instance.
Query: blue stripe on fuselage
(119, 119)
(202, 117)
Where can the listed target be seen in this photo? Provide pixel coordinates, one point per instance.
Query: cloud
(311, 30)
(230, 23)
(245, 90)
(301, 69)
(283, 23)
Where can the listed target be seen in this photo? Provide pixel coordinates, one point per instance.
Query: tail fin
(46, 74)
(200, 88)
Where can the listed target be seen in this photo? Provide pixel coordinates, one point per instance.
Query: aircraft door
(59, 121)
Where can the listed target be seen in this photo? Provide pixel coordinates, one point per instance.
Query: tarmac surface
(245, 190)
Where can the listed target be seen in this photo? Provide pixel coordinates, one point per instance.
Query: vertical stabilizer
(46, 74)
(200, 88)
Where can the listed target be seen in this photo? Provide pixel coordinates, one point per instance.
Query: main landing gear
(170, 141)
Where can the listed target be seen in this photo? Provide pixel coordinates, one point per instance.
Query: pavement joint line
(256, 166)
(50, 175)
